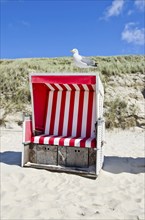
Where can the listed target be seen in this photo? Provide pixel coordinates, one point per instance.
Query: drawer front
(77, 157)
(61, 155)
(44, 154)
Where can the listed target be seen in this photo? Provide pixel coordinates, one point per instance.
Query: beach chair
(66, 130)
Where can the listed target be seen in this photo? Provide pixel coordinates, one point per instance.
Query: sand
(117, 193)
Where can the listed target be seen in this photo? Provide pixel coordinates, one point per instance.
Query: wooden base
(73, 170)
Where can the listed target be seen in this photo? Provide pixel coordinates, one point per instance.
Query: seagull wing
(88, 61)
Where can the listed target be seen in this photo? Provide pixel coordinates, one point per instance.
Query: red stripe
(61, 141)
(41, 139)
(63, 87)
(80, 113)
(90, 87)
(63, 79)
(51, 140)
(70, 116)
(83, 142)
(54, 86)
(72, 141)
(48, 88)
(53, 112)
(81, 87)
(93, 143)
(89, 114)
(72, 87)
(62, 109)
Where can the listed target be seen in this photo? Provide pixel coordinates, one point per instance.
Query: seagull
(82, 62)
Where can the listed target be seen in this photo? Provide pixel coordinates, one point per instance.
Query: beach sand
(117, 193)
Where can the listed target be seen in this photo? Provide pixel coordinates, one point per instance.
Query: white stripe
(77, 142)
(66, 141)
(76, 86)
(67, 87)
(66, 113)
(94, 87)
(50, 87)
(85, 87)
(49, 109)
(59, 87)
(56, 140)
(85, 110)
(88, 142)
(75, 113)
(93, 116)
(36, 139)
(57, 114)
(46, 139)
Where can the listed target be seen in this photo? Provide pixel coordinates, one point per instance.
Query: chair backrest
(64, 105)
(71, 110)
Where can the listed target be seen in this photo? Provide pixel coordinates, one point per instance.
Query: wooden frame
(84, 161)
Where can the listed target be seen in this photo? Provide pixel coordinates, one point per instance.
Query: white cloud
(130, 12)
(140, 4)
(115, 9)
(133, 34)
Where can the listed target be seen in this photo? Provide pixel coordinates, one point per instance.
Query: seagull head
(75, 51)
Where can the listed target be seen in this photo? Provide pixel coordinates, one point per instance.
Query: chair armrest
(27, 130)
(100, 132)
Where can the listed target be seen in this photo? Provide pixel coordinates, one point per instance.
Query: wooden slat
(73, 170)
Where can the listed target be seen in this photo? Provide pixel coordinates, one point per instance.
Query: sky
(44, 28)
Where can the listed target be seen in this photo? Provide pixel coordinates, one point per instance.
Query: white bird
(82, 62)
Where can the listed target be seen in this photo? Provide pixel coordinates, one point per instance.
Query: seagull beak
(71, 51)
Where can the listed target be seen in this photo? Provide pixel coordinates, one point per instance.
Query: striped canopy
(64, 109)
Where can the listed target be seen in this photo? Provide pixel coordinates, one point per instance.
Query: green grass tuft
(14, 81)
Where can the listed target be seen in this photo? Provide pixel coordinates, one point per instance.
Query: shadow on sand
(114, 164)
(11, 158)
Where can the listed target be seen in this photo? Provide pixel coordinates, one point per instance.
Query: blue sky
(43, 28)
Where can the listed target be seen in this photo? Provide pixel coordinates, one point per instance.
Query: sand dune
(117, 193)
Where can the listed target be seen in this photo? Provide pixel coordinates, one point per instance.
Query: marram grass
(14, 84)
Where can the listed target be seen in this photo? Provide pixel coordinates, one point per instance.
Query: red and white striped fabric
(70, 87)
(70, 116)
(65, 141)
(71, 113)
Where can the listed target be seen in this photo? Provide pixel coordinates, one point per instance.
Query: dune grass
(14, 76)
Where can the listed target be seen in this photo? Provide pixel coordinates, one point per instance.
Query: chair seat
(65, 141)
